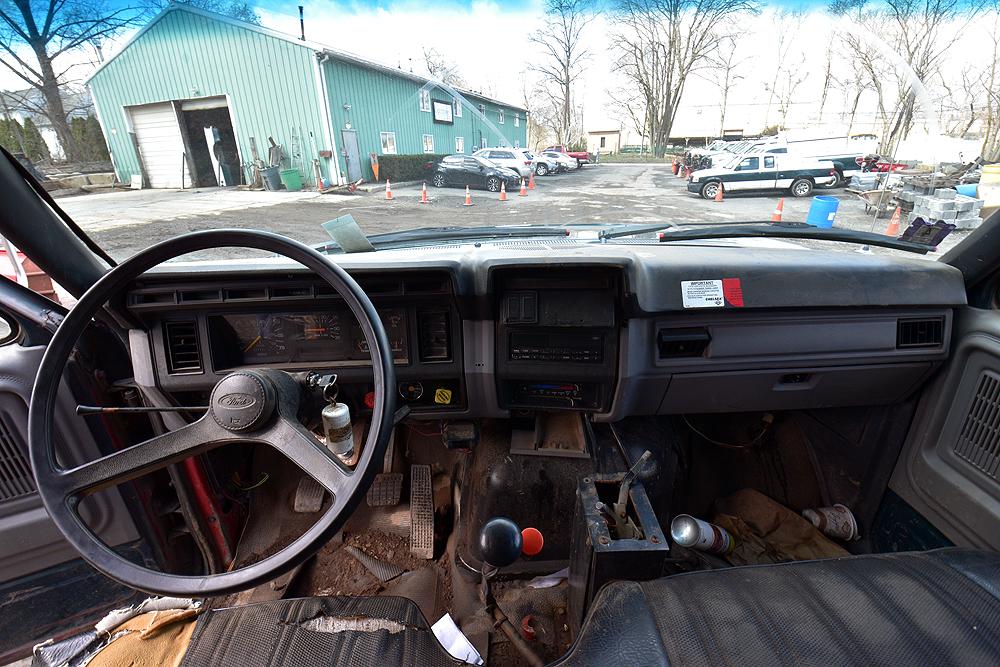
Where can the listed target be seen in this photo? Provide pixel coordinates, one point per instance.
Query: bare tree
(921, 32)
(630, 109)
(563, 53)
(440, 68)
(724, 64)
(237, 9)
(829, 80)
(991, 108)
(660, 43)
(35, 33)
(788, 23)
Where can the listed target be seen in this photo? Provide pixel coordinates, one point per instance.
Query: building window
(425, 99)
(517, 143)
(459, 144)
(457, 104)
(482, 142)
(482, 109)
(388, 143)
(428, 143)
(602, 141)
(500, 116)
(517, 120)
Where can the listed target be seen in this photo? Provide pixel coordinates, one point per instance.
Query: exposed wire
(767, 423)
(260, 482)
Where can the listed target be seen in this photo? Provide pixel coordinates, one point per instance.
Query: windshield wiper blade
(763, 229)
(455, 234)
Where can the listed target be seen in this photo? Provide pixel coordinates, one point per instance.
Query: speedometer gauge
(260, 338)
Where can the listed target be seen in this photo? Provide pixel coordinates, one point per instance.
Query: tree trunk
(55, 111)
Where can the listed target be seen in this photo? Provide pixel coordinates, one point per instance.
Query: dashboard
(490, 330)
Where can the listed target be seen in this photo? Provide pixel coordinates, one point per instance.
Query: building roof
(604, 132)
(315, 46)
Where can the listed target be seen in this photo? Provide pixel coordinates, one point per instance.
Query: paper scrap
(549, 580)
(454, 641)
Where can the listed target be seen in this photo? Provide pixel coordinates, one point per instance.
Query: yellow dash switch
(442, 396)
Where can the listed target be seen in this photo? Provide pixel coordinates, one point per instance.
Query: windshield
(150, 119)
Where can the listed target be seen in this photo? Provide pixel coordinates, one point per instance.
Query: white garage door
(160, 144)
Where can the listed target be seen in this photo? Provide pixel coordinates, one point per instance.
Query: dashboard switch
(411, 391)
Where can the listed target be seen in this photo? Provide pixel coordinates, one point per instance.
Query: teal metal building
(192, 95)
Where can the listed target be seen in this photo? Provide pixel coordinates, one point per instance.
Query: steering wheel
(246, 406)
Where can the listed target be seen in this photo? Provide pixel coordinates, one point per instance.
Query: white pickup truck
(764, 172)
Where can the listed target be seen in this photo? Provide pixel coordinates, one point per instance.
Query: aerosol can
(688, 531)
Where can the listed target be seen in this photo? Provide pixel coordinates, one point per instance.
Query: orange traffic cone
(531, 181)
(893, 228)
(776, 216)
(524, 191)
(388, 190)
(423, 194)
(503, 191)
(718, 193)
(468, 197)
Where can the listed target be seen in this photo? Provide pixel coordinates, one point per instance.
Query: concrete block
(945, 193)
(967, 223)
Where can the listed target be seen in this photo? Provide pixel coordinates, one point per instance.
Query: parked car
(512, 158)
(566, 162)
(543, 165)
(581, 157)
(473, 171)
(763, 171)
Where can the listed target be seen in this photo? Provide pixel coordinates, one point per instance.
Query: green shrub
(89, 139)
(38, 150)
(407, 167)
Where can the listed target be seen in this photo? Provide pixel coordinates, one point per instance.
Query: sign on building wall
(442, 112)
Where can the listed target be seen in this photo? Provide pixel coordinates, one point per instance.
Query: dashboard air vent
(183, 353)
(432, 329)
(15, 474)
(912, 333)
(680, 343)
(979, 441)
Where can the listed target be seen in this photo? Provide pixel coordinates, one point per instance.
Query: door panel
(949, 470)
(29, 541)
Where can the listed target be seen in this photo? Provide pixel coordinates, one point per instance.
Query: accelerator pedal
(421, 512)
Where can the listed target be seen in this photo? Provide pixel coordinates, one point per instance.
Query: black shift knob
(500, 541)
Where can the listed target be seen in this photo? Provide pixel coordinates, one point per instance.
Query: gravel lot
(126, 222)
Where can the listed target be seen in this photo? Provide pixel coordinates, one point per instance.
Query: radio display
(290, 338)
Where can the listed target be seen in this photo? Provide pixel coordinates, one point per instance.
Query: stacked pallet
(921, 199)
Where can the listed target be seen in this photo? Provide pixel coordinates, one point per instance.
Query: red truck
(582, 157)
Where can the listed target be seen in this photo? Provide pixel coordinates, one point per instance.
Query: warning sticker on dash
(712, 293)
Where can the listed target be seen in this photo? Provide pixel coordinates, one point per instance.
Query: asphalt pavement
(127, 222)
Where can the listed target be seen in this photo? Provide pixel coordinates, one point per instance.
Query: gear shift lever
(500, 542)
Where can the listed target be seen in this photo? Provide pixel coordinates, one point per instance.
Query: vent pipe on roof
(302, 24)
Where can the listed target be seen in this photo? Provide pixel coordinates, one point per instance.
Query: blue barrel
(823, 211)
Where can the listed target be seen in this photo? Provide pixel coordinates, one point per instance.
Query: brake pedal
(421, 512)
(388, 485)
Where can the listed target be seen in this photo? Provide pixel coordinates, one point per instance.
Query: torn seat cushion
(939, 607)
(320, 631)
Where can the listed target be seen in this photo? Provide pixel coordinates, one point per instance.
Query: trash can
(823, 211)
(272, 181)
(292, 179)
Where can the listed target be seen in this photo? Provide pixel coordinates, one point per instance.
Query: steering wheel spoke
(138, 460)
(309, 454)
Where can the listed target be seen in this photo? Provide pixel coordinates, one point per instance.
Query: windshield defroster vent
(913, 333)
(183, 352)
(979, 441)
